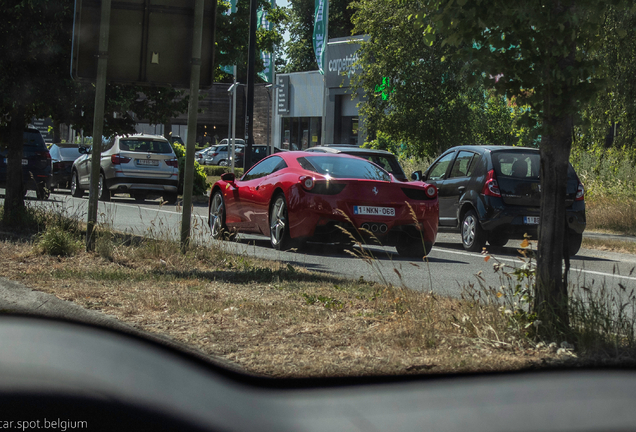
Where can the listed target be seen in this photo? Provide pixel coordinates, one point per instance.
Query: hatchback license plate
(151, 162)
(376, 211)
(531, 220)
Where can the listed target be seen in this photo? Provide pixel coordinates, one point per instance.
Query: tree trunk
(14, 197)
(167, 130)
(551, 295)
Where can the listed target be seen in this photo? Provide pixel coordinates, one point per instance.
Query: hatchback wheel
(76, 191)
(223, 163)
(574, 242)
(473, 236)
(279, 224)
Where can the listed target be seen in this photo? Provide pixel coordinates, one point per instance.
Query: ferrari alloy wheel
(76, 191)
(216, 217)
(473, 236)
(279, 224)
(103, 193)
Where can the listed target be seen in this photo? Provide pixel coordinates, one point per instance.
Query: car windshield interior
(145, 146)
(343, 167)
(516, 164)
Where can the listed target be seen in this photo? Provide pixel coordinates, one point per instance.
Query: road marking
(592, 272)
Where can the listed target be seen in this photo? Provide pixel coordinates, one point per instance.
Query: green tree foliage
(34, 36)
(299, 48)
(232, 36)
(200, 184)
(616, 104)
(545, 55)
(417, 95)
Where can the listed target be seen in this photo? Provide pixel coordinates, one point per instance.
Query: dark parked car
(36, 162)
(62, 158)
(384, 159)
(259, 151)
(492, 194)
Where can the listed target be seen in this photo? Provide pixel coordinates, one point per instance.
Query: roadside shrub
(216, 171)
(57, 242)
(200, 184)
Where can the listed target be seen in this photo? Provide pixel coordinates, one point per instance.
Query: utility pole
(98, 123)
(193, 107)
(251, 76)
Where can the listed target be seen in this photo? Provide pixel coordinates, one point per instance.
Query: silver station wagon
(144, 166)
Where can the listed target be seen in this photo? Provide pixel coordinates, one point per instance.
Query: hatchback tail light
(580, 193)
(44, 155)
(118, 159)
(173, 163)
(491, 187)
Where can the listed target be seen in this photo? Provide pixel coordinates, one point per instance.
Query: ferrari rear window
(343, 167)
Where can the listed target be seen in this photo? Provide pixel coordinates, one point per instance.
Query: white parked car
(140, 165)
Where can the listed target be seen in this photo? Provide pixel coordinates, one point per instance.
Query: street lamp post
(269, 88)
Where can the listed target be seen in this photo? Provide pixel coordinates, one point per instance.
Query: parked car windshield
(145, 146)
(344, 167)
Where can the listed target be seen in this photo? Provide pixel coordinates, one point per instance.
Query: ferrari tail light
(307, 182)
(173, 163)
(580, 193)
(491, 187)
(431, 191)
(118, 159)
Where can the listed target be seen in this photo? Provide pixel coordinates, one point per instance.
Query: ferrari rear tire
(76, 190)
(414, 249)
(216, 216)
(279, 224)
(42, 192)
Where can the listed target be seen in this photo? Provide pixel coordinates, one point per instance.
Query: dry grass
(277, 320)
(616, 215)
(610, 245)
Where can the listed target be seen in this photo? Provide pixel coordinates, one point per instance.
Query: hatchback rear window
(517, 164)
(344, 167)
(145, 146)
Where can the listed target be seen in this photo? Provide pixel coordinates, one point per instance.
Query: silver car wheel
(216, 216)
(468, 230)
(278, 221)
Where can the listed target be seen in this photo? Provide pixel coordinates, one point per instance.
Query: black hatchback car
(493, 193)
(36, 162)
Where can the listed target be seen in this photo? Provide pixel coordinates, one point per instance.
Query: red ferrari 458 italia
(294, 197)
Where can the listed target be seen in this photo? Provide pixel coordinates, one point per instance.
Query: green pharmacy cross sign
(385, 88)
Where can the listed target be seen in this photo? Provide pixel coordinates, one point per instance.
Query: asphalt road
(449, 268)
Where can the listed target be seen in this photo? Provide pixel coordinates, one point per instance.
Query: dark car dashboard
(86, 377)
